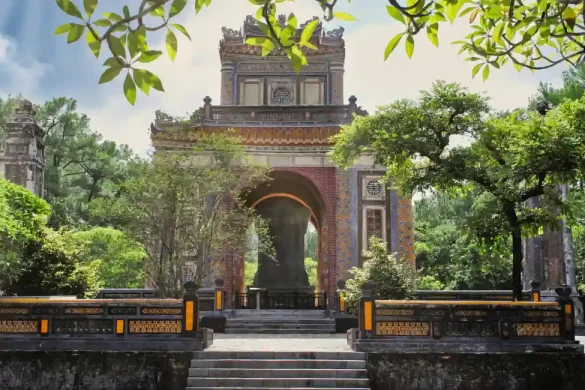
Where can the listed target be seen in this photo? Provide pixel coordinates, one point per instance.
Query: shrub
(394, 277)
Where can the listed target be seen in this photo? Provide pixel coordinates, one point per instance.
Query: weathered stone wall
(428, 371)
(94, 370)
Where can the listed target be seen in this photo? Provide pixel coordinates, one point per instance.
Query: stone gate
(286, 119)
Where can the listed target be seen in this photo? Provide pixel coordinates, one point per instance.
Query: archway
(293, 200)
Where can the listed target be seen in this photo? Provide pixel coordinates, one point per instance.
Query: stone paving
(285, 342)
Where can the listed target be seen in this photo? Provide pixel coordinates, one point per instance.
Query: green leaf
(137, 41)
(432, 34)
(177, 7)
(182, 29)
(103, 23)
(117, 46)
(256, 41)
(90, 6)
(64, 28)
(149, 56)
(452, 9)
(395, 13)
(257, 2)
(309, 45)
(126, 12)
(476, 69)
(114, 17)
(298, 58)
(267, 47)
(110, 74)
(69, 8)
(309, 30)
(171, 41)
(153, 81)
(569, 16)
(113, 62)
(497, 32)
(141, 81)
(409, 46)
(486, 72)
(392, 45)
(344, 16)
(130, 89)
(93, 44)
(75, 33)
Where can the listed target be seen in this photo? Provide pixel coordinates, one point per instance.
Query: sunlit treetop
(532, 34)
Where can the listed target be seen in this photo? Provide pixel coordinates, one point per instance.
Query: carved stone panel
(282, 91)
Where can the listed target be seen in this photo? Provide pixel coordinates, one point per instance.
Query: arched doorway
(291, 202)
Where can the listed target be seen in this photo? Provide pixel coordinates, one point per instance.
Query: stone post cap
(534, 284)
(191, 286)
(368, 289)
(219, 282)
(207, 100)
(563, 291)
(341, 284)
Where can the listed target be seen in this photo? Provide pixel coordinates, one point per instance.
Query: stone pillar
(549, 259)
(337, 71)
(287, 222)
(227, 83)
(23, 154)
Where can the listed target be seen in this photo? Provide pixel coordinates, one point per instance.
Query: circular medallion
(281, 96)
(374, 188)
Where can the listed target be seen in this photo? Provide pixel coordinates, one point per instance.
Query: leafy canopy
(533, 34)
(508, 159)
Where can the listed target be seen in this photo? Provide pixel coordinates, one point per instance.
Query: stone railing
(454, 295)
(387, 323)
(226, 116)
(103, 324)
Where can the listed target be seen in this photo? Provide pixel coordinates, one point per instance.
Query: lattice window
(374, 224)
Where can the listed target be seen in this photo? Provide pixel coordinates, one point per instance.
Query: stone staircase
(280, 322)
(278, 371)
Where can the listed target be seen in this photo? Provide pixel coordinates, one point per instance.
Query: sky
(42, 66)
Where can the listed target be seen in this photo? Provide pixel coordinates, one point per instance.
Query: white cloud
(20, 73)
(375, 82)
(196, 72)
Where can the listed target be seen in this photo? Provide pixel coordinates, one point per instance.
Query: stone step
(276, 325)
(269, 373)
(279, 355)
(237, 321)
(275, 388)
(214, 382)
(279, 363)
(279, 331)
(281, 313)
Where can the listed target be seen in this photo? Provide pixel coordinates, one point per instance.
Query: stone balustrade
(103, 324)
(386, 324)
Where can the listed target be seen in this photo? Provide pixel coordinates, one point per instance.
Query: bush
(394, 278)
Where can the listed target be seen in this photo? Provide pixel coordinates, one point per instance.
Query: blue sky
(41, 66)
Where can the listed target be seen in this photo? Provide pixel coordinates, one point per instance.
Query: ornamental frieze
(258, 136)
(279, 67)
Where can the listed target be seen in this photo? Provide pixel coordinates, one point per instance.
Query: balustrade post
(325, 303)
(367, 311)
(567, 312)
(219, 296)
(208, 114)
(341, 303)
(535, 291)
(190, 310)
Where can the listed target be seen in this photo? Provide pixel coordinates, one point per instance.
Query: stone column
(337, 71)
(227, 83)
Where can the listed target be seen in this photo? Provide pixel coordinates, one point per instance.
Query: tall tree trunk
(517, 257)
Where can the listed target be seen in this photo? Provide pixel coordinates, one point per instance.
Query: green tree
(177, 209)
(23, 217)
(311, 269)
(451, 254)
(7, 107)
(508, 159)
(536, 34)
(394, 277)
(118, 261)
